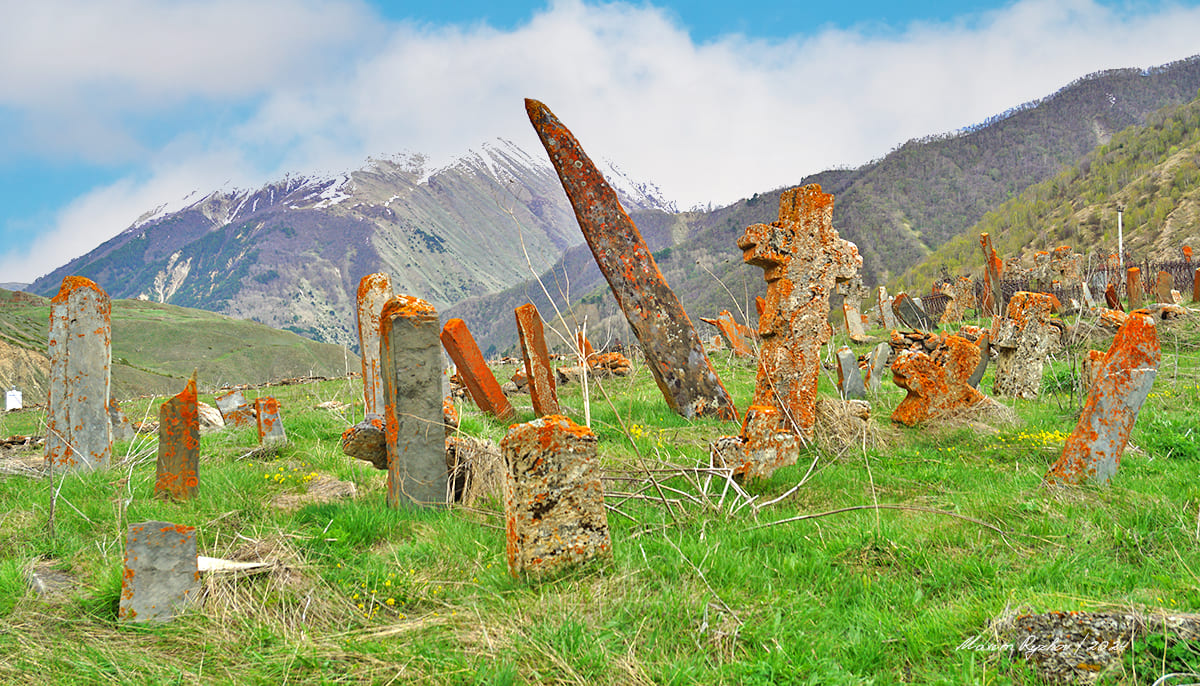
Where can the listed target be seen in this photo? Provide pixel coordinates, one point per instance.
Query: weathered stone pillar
(553, 498)
(887, 316)
(473, 370)
(234, 410)
(673, 350)
(161, 575)
(374, 290)
(1133, 288)
(584, 347)
(993, 272)
(850, 381)
(1093, 450)
(537, 360)
(179, 445)
(270, 424)
(1163, 286)
(1196, 286)
(878, 363)
(853, 294)
(1024, 340)
(78, 429)
(937, 383)
(953, 313)
(413, 417)
(1111, 299)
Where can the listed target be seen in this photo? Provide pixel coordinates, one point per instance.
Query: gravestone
(234, 410)
(122, 430)
(78, 429)
(270, 424)
(1089, 302)
(909, 311)
(179, 445)
(803, 259)
(1093, 450)
(1163, 286)
(740, 337)
(985, 355)
(161, 575)
(850, 381)
(937, 382)
(992, 303)
(537, 360)
(1089, 369)
(1111, 299)
(12, 400)
(854, 292)
(584, 347)
(1133, 288)
(1196, 286)
(553, 498)
(413, 407)
(1024, 339)
(878, 363)
(374, 290)
(473, 369)
(673, 350)
(955, 306)
(887, 316)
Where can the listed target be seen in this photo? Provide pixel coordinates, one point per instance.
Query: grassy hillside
(710, 587)
(1153, 172)
(156, 347)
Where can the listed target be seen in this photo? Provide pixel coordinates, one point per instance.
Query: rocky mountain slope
(290, 254)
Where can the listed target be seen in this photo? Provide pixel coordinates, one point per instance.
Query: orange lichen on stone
(1125, 377)
(937, 383)
(1187, 253)
(739, 335)
(553, 497)
(374, 290)
(584, 347)
(673, 350)
(537, 360)
(993, 272)
(179, 445)
(760, 304)
(270, 426)
(476, 375)
(1024, 339)
(1133, 288)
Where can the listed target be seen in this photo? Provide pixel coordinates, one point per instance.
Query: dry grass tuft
(841, 427)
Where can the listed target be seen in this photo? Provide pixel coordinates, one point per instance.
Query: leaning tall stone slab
(161, 575)
(910, 312)
(937, 383)
(553, 498)
(1024, 340)
(374, 290)
(537, 360)
(472, 368)
(992, 303)
(413, 412)
(270, 424)
(674, 352)
(802, 258)
(179, 445)
(78, 428)
(1126, 375)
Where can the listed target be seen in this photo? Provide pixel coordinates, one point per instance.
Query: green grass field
(701, 588)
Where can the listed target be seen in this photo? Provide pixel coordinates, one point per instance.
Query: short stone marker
(1196, 286)
(1133, 288)
(374, 290)
(854, 292)
(234, 410)
(936, 383)
(992, 303)
(270, 424)
(910, 313)
(674, 353)
(850, 381)
(179, 446)
(1111, 299)
(413, 405)
(878, 363)
(1024, 340)
(537, 360)
(1163, 286)
(161, 575)
(472, 368)
(1089, 369)
(887, 316)
(1093, 450)
(955, 306)
(740, 337)
(553, 498)
(122, 429)
(78, 429)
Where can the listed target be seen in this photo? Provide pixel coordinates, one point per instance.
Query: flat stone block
(161, 575)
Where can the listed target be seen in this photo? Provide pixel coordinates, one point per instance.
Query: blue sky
(112, 108)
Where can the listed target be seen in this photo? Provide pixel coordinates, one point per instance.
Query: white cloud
(707, 122)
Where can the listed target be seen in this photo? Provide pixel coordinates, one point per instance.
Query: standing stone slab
(413, 412)
(270, 424)
(473, 370)
(1126, 375)
(937, 383)
(161, 575)
(985, 355)
(1163, 286)
(878, 363)
(887, 316)
(1196, 286)
(234, 410)
(1024, 340)
(854, 293)
(1133, 288)
(673, 350)
(910, 313)
(78, 428)
(537, 360)
(955, 306)
(374, 290)
(553, 498)
(1111, 299)
(993, 271)
(850, 381)
(179, 445)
